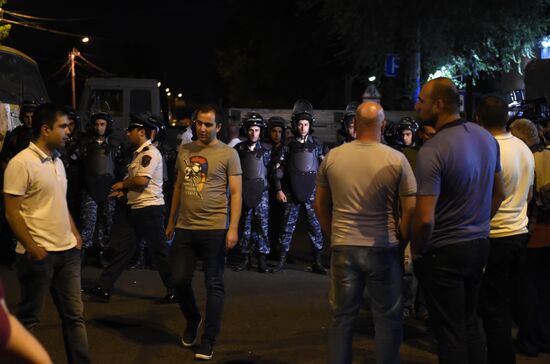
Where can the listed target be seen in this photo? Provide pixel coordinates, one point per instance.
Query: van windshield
(20, 80)
(107, 100)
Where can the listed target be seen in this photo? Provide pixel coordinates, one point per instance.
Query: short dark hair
(444, 89)
(206, 108)
(492, 112)
(148, 132)
(46, 114)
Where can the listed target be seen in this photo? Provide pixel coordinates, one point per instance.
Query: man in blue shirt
(459, 189)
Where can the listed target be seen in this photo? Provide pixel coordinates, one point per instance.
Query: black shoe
(526, 350)
(191, 334)
(262, 264)
(245, 265)
(317, 266)
(281, 265)
(98, 293)
(169, 298)
(102, 260)
(204, 352)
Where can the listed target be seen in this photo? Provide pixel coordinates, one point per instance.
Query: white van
(123, 96)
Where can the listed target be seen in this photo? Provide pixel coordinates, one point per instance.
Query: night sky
(174, 42)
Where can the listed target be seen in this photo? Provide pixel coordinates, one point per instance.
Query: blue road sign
(392, 65)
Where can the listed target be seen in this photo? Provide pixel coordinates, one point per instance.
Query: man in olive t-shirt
(206, 168)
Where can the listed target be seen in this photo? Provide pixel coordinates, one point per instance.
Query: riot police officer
(346, 133)
(276, 136)
(71, 161)
(295, 183)
(21, 136)
(99, 155)
(255, 156)
(276, 133)
(407, 129)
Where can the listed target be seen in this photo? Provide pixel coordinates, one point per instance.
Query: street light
(158, 84)
(169, 94)
(85, 40)
(180, 94)
(372, 78)
(167, 89)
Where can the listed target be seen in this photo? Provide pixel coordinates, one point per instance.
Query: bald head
(369, 115)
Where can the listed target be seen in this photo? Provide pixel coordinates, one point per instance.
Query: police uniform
(99, 160)
(20, 137)
(276, 208)
(169, 156)
(295, 176)
(348, 117)
(15, 141)
(69, 156)
(255, 160)
(146, 216)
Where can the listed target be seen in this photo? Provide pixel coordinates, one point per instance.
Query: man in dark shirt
(459, 189)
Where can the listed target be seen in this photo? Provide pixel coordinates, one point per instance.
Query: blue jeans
(188, 246)
(58, 274)
(380, 270)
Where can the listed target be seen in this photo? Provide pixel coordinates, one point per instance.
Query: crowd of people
(435, 217)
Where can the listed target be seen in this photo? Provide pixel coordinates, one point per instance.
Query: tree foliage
(5, 28)
(472, 37)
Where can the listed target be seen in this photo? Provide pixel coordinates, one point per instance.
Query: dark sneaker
(204, 352)
(98, 293)
(191, 334)
(526, 350)
(169, 298)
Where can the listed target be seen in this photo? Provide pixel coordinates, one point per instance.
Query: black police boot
(262, 264)
(245, 265)
(169, 298)
(98, 293)
(102, 259)
(281, 265)
(317, 266)
(140, 262)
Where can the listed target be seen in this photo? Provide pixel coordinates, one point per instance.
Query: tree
(472, 38)
(4, 29)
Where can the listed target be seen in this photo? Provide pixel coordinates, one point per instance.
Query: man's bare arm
(322, 206)
(19, 228)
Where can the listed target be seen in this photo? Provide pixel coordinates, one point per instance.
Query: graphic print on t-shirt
(196, 171)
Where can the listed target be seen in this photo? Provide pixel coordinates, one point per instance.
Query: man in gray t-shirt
(205, 172)
(198, 216)
(360, 186)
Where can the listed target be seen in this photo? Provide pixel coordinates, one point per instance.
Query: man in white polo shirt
(49, 244)
(509, 234)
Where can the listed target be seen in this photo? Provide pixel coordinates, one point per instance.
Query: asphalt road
(269, 319)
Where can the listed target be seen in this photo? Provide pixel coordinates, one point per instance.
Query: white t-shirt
(185, 138)
(147, 162)
(518, 170)
(42, 182)
(233, 142)
(365, 181)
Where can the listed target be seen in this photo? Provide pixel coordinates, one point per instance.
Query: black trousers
(498, 287)
(209, 245)
(534, 305)
(450, 277)
(147, 224)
